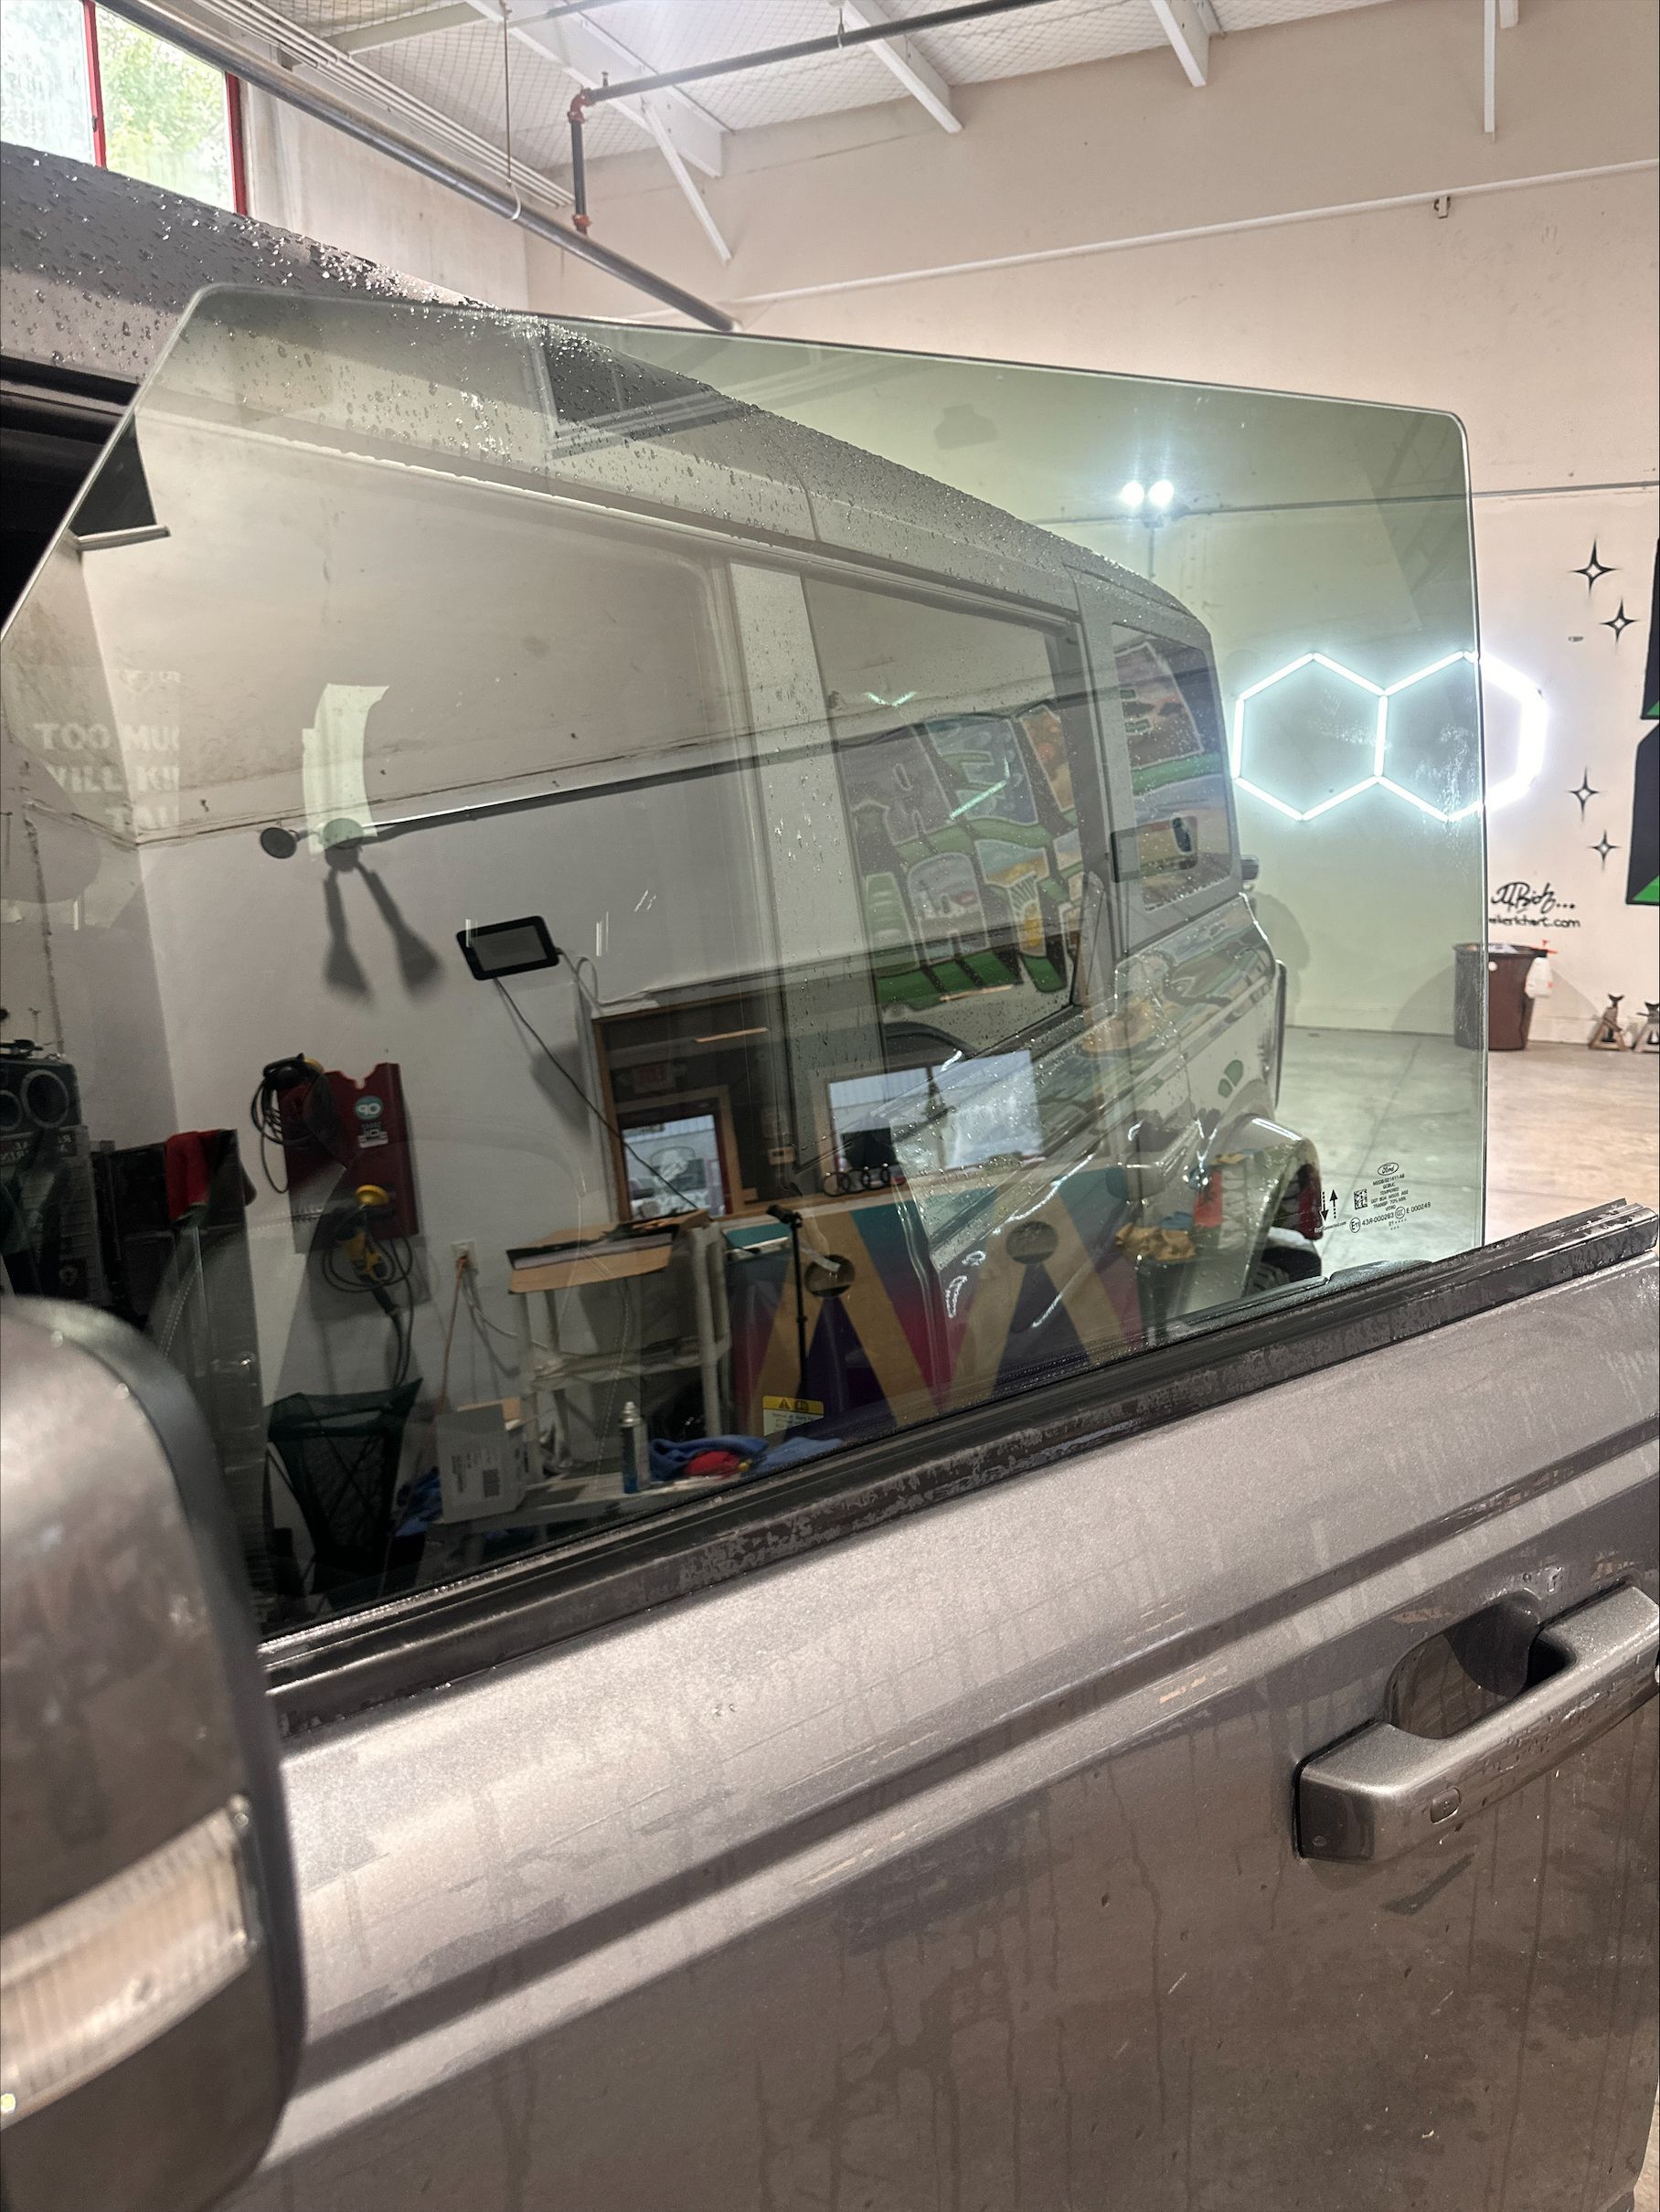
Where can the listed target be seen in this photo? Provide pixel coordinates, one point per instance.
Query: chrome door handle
(1380, 1792)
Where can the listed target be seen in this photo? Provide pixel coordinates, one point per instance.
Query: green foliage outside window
(164, 115)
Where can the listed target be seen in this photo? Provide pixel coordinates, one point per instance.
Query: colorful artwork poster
(966, 837)
(1177, 773)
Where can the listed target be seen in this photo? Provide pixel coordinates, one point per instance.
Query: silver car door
(956, 1863)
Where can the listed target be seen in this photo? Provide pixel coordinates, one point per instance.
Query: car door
(1210, 1764)
(954, 1860)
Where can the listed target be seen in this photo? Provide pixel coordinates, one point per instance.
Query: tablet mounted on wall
(494, 949)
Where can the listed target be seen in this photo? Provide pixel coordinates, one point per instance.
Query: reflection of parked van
(890, 840)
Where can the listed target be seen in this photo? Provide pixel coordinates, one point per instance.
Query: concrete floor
(1566, 1129)
(1397, 1121)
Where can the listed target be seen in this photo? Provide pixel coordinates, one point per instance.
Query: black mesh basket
(341, 1456)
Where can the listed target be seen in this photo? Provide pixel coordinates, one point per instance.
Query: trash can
(1490, 1001)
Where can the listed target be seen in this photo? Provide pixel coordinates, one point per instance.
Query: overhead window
(78, 81)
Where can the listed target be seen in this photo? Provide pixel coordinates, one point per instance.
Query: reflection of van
(891, 839)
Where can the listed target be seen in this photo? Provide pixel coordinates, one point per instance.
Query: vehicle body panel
(953, 1864)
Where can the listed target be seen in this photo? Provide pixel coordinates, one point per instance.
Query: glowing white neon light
(1530, 734)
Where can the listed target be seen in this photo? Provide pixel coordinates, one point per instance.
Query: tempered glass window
(961, 961)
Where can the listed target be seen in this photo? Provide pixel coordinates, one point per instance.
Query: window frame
(235, 133)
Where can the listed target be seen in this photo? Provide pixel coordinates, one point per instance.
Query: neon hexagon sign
(1530, 734)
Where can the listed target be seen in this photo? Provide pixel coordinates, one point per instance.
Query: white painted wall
(304, 176)
(1527, 310)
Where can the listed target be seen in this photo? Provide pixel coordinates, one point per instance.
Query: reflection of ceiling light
(1133, 494)
(1162, 493)
(1529, 749)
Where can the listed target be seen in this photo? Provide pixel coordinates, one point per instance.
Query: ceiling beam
(588, 51)
(393, 29)
(919, 77)
(1186, 25)
(688, 183)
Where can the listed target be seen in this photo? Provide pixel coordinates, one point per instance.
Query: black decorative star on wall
(1593, 567)
(1602, 849)
(1584, 791)
(1619, 623)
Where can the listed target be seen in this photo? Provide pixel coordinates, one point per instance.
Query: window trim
(427, 1639)
(234, 120)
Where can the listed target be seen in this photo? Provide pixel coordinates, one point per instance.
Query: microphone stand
(790, 1218)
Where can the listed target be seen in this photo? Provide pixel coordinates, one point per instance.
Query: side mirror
(151, 2003)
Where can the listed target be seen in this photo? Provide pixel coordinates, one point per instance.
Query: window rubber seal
(337, 1670)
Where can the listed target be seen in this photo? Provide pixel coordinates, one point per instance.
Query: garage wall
(304, 176)
(1522, 305)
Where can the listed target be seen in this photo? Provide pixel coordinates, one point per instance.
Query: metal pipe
(1490, 67)
(870, 33)
(315, 101)
(579, 165)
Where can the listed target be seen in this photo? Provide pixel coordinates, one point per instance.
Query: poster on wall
(1177, 773)
(965, 839)
(1643, 875)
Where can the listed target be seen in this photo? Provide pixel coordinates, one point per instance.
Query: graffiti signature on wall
(1534, 904)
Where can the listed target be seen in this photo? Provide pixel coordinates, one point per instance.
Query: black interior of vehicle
(53, 426)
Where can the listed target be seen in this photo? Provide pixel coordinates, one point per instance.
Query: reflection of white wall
(251, 968)
(76, 945)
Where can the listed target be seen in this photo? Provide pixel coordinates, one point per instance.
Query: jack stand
(1607, 1036)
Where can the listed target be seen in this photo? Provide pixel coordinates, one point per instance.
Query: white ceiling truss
(506, 71)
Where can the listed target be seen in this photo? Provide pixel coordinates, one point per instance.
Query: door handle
(1377, 1794)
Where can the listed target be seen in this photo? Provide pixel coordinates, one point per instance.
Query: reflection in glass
(946, 969)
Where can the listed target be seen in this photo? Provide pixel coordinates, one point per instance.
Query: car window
(595, 916)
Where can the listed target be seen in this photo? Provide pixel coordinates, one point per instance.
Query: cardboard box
(486, 1460)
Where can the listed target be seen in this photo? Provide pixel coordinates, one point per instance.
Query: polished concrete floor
(1398, 1121)
(1568, 1128)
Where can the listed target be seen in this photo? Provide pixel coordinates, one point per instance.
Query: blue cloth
(669, 1461)
(791, 1450)
(422, 1505)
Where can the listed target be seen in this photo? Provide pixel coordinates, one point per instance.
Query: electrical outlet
(465, 1252)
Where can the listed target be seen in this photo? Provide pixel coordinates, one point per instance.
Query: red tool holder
(340, 1133)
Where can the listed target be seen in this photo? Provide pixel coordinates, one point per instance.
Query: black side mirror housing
(154, 2007)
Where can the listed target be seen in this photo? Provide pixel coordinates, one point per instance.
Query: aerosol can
(635, 1465)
